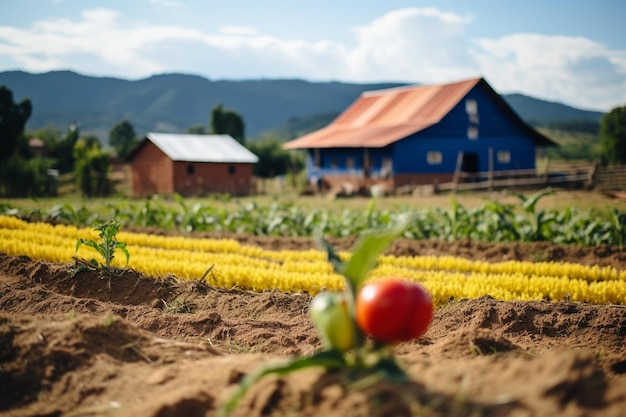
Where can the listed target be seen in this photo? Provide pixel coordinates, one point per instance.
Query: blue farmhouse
(421, 135)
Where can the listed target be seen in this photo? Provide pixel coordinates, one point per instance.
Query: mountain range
(175, 102)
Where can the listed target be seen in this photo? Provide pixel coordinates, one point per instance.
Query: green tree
(28, 173)
(92, 168)
(63, 152)
(13, 118)
(21, 177)
(196, 130)
(49, 135)
(227, 122)
(613, 135)
(273, 159)
(123, 138)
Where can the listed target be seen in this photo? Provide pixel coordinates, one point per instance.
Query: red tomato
(393, 310)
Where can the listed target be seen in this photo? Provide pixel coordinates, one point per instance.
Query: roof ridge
(417, 86)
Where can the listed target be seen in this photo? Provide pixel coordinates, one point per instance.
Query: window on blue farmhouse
(504, 157)
(471, 107)
(434, 157)
(472, 132)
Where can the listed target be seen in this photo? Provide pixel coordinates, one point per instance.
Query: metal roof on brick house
(379, 118)
(202, 148)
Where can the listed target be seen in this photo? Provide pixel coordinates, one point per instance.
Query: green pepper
(331, 316)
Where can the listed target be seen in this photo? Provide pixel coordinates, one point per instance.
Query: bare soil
(84, 343)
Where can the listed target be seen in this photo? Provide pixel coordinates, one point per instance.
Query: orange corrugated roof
(378, 118)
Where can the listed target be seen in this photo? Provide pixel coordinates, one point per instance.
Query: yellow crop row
(450, 263)
(257, 269)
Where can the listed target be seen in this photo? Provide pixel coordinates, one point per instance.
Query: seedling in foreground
(109, 244)
(344, 318)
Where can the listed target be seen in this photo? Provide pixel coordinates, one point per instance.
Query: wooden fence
(574, 176)
(611, 177)
(587, 176)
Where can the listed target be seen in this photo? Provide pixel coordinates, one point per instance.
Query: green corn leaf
(365, 256)
(333, 256)
(91, 244)
(122, 247)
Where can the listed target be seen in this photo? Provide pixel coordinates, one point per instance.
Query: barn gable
(188, 164)
(420, 134)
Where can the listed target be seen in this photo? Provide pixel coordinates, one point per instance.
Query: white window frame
(471, 106)
(504, 157)
(472, 132)
(434, 157)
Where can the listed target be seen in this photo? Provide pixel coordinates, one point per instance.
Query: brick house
(191, 165)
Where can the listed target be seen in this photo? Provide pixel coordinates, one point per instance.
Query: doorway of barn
(470, 166)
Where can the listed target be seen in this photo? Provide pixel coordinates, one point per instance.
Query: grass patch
(180, 305)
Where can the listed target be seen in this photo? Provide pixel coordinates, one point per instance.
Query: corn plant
(618, 229)
(108, 245)
(493, 221)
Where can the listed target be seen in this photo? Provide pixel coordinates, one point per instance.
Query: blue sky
(559, 50)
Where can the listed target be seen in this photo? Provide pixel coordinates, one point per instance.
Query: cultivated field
(521, 328)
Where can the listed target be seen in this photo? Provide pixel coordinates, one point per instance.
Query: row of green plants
(493, 221)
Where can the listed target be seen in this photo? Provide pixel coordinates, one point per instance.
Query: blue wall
(339, 158)
(496, 130)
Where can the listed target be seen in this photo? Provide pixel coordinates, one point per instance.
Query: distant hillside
(298, 126)
(536, 111)
(174, 102)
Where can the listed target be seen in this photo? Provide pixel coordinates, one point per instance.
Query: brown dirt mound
(75, 342)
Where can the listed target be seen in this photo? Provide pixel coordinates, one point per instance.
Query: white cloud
(413, 45)
(114, 48)
(238, 30)
(568, 69)
(167, 3)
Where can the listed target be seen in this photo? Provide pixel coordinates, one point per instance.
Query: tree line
(31, 162)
